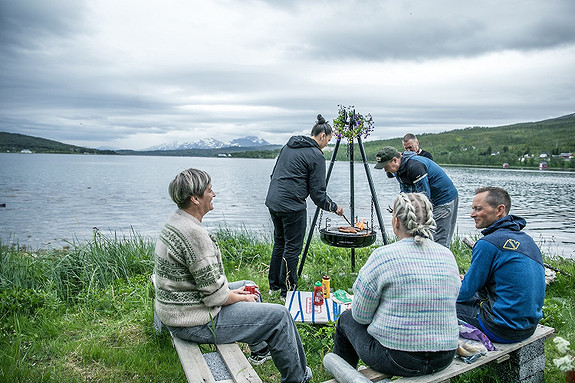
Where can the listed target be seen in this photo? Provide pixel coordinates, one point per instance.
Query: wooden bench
(196, 369)
(516, 362)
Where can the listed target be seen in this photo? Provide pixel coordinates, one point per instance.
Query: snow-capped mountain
(248, 141)
(211, 143)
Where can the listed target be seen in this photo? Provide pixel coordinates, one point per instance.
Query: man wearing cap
(411, 143)
(417, 174)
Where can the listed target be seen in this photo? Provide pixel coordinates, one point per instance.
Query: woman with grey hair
(403, 320)
(193, 296)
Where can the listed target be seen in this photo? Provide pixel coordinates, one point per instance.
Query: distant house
(26, 151)
(543, 165)
(505, 165)
(567, 156)
(543, 155)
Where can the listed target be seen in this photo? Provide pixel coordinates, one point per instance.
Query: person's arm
(317, 186)
(240, 295)
(365, 301)
(479, 271)
(208, 271)
(417, 173)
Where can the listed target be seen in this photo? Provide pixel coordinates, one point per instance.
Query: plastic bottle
(325, 286)
(318, 294)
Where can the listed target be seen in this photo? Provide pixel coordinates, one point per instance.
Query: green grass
(84, 312)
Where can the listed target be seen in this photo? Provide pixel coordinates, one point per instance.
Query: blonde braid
(415, 214)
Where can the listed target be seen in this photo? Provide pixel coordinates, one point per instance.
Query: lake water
(51, 198)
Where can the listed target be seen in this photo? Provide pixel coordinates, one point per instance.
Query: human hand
(242, 291)
(243, 296)
(249, 297)
(339, 211)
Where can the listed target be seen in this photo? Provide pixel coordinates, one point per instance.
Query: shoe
(274, 292)
(257, 359)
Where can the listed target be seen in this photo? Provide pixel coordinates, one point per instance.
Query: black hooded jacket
(299, 172)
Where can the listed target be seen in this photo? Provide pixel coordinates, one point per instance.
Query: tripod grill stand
(352, 199)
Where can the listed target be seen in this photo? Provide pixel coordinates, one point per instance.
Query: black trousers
(289, 232)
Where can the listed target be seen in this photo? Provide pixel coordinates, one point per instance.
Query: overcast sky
(135, 73)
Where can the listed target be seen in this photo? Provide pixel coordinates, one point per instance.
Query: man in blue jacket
(503, 291)
(417, 174)
(299, 172)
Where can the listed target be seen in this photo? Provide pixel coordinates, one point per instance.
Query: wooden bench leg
(525, 365)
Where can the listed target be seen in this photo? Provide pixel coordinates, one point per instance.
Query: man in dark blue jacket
(503, 291)
(417, 174)
(299, 172)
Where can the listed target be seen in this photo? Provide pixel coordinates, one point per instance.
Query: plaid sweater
(190, 283)
(406, 295)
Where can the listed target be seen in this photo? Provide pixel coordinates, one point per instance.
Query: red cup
(251, 287)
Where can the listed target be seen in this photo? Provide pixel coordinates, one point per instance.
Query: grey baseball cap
(384, 155)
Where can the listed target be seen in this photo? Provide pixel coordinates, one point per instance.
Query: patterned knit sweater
(190, 283)
(406, 294)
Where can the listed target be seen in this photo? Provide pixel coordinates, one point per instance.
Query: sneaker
(257, 359)
(274, 292)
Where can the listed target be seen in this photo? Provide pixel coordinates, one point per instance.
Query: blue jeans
(477, 312)
(352, 342)
(289, 232)
(257, 324)
(445, 219)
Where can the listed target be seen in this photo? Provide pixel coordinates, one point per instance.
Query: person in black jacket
(299, 172)
(411, 144)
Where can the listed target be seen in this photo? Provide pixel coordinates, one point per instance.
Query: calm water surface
(50, 199)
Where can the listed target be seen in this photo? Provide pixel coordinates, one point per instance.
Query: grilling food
(348, 229)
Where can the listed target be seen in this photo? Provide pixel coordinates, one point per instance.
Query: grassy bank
(84, 313)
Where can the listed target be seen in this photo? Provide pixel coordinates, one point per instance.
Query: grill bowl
(333, 237)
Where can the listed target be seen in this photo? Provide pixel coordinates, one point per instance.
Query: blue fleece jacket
(507, 267)
(418, 174)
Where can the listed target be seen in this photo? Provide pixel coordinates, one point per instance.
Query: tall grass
(84, 312)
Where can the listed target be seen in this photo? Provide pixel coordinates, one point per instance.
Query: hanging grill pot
(333, 237)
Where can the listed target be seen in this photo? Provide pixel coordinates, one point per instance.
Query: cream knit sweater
(191, 285)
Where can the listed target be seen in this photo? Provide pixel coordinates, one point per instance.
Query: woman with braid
(403, 319)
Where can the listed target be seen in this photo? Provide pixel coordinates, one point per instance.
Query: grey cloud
(58, 82)
(454, 29)
(25, 23)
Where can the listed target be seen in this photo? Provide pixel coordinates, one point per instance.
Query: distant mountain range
(518, 145)
(15, 142)
(211, 143)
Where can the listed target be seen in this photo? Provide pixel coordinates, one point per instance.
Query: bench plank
(458, 366)
(193, 363)
(237, 364)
